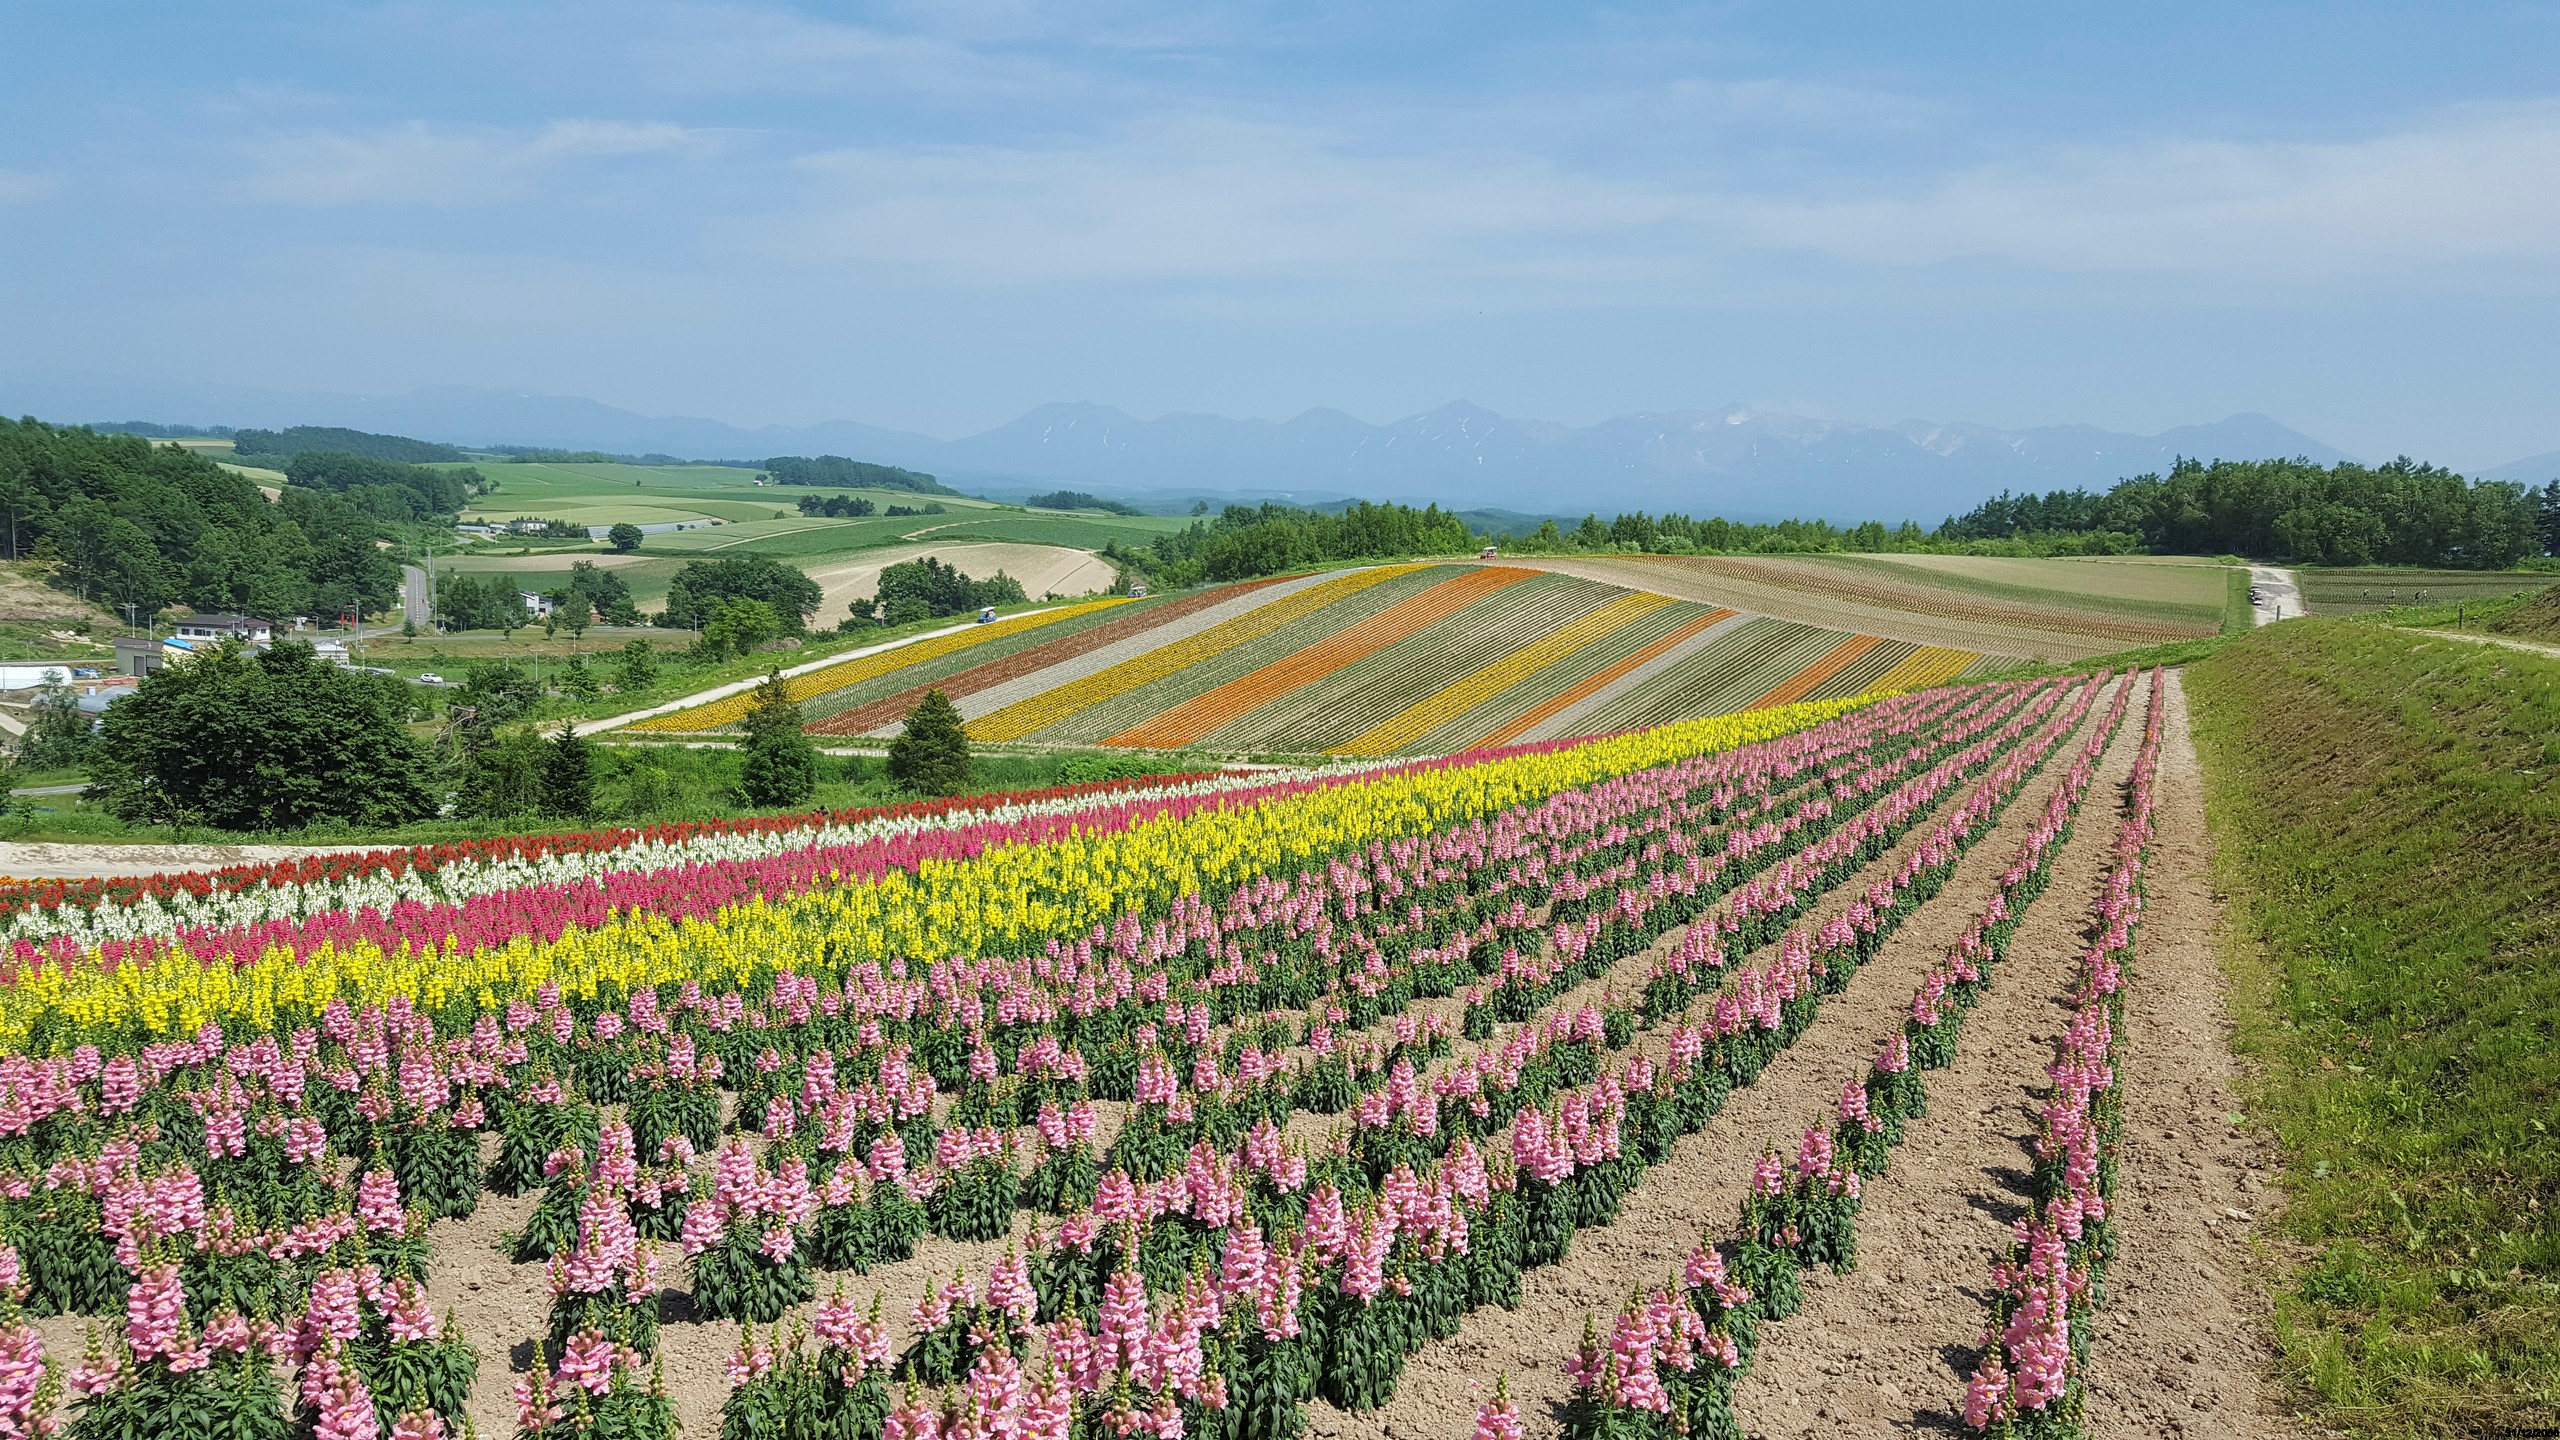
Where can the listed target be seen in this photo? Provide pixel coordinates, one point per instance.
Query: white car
(431, 678)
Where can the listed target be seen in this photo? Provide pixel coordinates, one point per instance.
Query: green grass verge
(637, 784)
(2389, 835)
(2239, 617)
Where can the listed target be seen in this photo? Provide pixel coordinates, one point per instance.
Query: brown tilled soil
(1700, 1188)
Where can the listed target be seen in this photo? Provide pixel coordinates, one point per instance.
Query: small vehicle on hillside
(1486, 553)
(987, 616)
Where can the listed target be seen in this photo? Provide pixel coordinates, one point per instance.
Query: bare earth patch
(1042, 569)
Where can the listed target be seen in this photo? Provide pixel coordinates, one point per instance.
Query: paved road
(2278, 597)
(417, 606)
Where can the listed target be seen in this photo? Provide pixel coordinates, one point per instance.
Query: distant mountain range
(1734, 460)
(2534, 470)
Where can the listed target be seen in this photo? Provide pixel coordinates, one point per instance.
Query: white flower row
(165, 916)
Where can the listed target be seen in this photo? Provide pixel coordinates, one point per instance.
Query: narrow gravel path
(2278, 597)
(2509, 641)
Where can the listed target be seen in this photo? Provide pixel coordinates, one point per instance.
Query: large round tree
(272, 741)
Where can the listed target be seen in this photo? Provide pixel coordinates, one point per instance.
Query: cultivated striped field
(1416, 659)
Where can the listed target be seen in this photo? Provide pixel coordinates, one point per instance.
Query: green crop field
(2379, 587)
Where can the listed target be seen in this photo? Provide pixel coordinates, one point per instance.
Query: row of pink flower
(698, 890)
(427, 859)
(2043, 1287)
(157, 1337)
(1665, 1331)
(426, 1073)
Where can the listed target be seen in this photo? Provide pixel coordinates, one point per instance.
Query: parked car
(430, 678)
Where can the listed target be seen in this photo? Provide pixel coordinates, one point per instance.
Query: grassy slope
(2535, 619)
(2389, 832)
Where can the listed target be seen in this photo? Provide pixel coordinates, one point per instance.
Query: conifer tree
(931, 756)
(569, 775)
(780, 766)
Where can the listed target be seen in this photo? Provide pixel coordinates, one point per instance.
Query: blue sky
(935, 215)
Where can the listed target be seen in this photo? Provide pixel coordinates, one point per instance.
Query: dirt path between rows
(2182, 1346)
(1703, 1183)
(2179, 1347)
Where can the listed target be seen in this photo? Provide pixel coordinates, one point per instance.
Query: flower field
(818, 685)
(1387, 660)
(1202, 1106)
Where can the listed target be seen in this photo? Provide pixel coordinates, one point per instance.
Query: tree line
(309, 743)
(836, 470)
(2402, 513)
(1244, 541)
(124, 522)
(336, 440)
(1079, 500)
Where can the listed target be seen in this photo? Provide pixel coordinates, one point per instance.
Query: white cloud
(20, 186)
(743, 49)
(449, 166)
(2480, 185)
(1202, 197)
(1199, 197)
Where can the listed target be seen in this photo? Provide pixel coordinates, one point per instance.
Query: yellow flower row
(1038, 712)
(1001, 900)
(1922, 668)
(732, 709)
(1429, 713)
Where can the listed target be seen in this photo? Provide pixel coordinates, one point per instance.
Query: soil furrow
(1703, 1183)
(1886, 1347)
(2181, 1345)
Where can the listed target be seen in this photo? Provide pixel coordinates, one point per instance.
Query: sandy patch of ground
(33, 860)
(24, 596)
(1042, 569)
